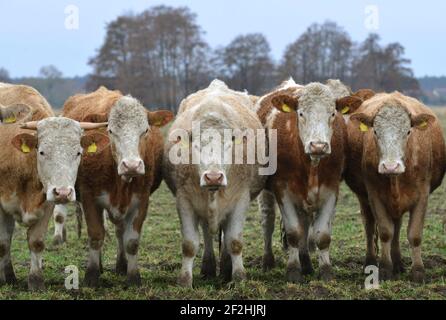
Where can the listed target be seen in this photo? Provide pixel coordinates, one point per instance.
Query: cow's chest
(118, 209)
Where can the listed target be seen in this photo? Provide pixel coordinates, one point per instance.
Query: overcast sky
(33, 33)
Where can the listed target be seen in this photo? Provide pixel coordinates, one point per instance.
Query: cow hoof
(239, 276)
(35, 282)
(417, 274)
(385, 273)
(326, 273)
(294, 275)
(185, 280)
(58, 240)
(268, 262)
(209, 268)
(305, 263)
(121, 266)
(134, 279)
(398, 267)
(92, 278)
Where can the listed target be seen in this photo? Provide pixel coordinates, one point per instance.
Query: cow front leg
(208, 265)
(397, 261)
(266, 202)
(36, 237)
(322, 234)
(190, 243)
(121, 260)
(370, 231)
(304, 254)
(60, 232)
(415, 236)
(7, 224)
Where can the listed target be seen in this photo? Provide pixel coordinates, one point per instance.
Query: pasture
(160, 260)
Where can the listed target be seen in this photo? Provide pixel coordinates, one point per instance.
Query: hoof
(209, 268)
(305, 262)
(294, 275)
(92, 278)
(35, 282)
(185, 280)
(58, 240)
(226, 267)
(121, 266)
(239, 276)
(134, 279)
(417, 274)
(385, 273)
(398, 268)
(326, 273)
(268, 262)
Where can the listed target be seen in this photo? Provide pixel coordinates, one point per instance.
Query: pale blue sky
(33, 33)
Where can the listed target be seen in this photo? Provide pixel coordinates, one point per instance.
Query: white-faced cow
(213, 192)
(121, 178)
(396, 159)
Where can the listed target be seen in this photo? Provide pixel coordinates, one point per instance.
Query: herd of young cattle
(106, 151)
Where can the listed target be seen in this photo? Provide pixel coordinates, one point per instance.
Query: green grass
(160, 260)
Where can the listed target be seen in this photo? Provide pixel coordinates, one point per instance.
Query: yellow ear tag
(10, 119)
(345, 110)
(286, 108)
(363, 127)
(158, 123)
(422, 125)
(92, 148)
(25, 148)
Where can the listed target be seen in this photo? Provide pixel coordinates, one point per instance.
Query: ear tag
(92, 148)
(25, 148)
(363, 127)
(345, 110)
(158, 123)
(286, 108)
(10, 119)
(423, 125)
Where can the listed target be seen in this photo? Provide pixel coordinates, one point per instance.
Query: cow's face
(392, 127)
(128, 125)
(58, 148)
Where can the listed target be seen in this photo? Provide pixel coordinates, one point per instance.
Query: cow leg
(7, 225)
(96, 233)
(322, 233)
(60, 215)
(415, 235)
(190, 233)
(397, 262)
(267, 203)
(294, 233)
(208, 265)
(370, 228)
(234, 237)
(121, 260)
(304, 254)
(36, 236)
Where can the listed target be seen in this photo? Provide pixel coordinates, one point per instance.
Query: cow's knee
(189, 249)
(132, 246)
(96, 244)
(59, 218)
(293, 238)
(414, 240)
(323, 240)
(37, 245)
(236, 247)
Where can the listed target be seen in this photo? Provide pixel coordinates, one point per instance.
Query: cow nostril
(55, 191)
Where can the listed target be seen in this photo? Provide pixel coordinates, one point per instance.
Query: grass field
(160, 260)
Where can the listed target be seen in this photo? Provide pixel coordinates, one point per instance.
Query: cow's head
(392, 126)
(128, 123)
(316, 109)
(15, 113)
(58, 145)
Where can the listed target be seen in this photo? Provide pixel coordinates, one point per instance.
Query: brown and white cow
(121, 178)
(311, 144)
(38, 167)
(211, 191)
(396, 159)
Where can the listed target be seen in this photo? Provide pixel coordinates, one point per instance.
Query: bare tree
(50, 72)
(4, 75)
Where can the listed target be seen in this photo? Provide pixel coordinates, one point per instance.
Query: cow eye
(109, 131)
(301, 114)
(333, 114)
(408, 132)
(79, 153)
(41, 153)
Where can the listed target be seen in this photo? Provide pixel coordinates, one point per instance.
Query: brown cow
(396, 159)
(121, 178)
(311, 141)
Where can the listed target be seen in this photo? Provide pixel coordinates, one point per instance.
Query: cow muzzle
(213, 180)
(131, 167)
(61, 195)
(319, 149)
(391, 167)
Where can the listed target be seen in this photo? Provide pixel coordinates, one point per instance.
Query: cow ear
(94, 143)
(285, 103)
(24, 142)
(348, 105)
(96, 117)
(364, 94)
(159, 118)
(365, 121)
(422, 121)
(15, 113)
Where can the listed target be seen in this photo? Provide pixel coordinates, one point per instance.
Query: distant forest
(160, 56)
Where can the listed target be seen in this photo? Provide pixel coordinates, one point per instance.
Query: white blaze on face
(392, 127)
(316, 114)
(127, 124)
(58, 157)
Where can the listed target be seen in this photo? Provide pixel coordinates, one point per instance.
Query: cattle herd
(107, 152)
